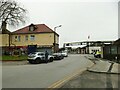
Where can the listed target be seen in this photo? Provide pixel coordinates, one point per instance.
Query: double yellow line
(66, 79)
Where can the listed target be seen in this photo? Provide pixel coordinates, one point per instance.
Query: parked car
(58, 56)
(65, 54)
(38, 57)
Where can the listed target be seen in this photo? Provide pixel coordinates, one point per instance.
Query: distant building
(85, 47)
(112, 52)
(93, 49)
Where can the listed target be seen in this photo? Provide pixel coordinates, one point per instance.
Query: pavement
(93, 81)
(103, 75)
(103, 66)
(11, 63)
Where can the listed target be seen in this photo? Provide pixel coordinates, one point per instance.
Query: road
(99, 81)
(42, 75)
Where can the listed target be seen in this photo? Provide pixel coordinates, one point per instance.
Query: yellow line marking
(67, 78)
(61, 82)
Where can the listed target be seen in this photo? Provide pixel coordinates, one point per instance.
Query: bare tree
(11, 13)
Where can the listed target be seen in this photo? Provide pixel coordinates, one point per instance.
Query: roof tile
(41, 28)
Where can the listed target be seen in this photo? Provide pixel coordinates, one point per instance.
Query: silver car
(38, 57)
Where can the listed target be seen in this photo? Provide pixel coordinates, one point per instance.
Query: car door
(42, 55)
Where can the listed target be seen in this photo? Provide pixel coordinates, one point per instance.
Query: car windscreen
(33, 53)
(41, 54)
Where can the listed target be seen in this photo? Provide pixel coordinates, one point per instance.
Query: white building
(94, 48)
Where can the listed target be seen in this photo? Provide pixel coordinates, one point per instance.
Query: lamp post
(55, 37)
(88, 44)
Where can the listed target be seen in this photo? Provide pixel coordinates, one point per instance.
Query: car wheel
(37, 61)
(60, 58)
(31, 62)
(51, 59)
(46, 61)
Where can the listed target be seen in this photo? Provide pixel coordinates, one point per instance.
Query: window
(15, 38)
(114, 50)
(118, 49)
(26, 38)
(40, 54)
(32, 37)
(18, 38)
(67, 44)
(31, 28)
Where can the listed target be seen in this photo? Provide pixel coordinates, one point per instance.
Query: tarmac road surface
(104, 75)
(95, 81)
(42, 75)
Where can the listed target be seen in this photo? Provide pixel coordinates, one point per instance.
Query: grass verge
(7, 57)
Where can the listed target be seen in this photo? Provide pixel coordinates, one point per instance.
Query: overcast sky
(79, 18)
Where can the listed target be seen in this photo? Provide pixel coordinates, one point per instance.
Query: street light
(55, 37)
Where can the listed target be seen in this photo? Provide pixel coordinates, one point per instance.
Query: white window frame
(32, 38)
(19, 38)
(26, 37)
